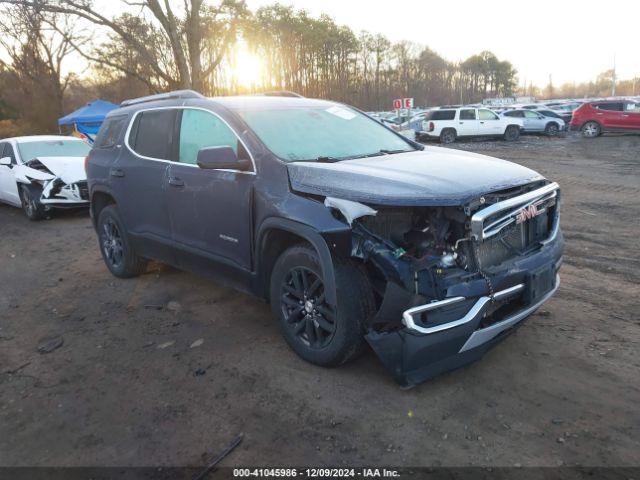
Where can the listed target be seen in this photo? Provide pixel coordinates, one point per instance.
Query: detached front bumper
(420, 351)
(57, 194)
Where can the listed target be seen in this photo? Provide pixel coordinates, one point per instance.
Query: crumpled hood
(69, 169)
(435, 176)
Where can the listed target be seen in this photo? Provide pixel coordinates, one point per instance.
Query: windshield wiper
(389, 152)
(379, 153)
(327, 159)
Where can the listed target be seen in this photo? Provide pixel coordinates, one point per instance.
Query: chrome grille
(502, 238)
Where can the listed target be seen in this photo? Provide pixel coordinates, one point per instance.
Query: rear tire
(30, 197)
(116, 249)
(512, 133)
(316, 331)
(591, 130)
(552, 129)
(448, 135)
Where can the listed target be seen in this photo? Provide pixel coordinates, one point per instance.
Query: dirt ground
(168, 368)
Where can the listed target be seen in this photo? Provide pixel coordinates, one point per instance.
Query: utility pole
(613, 83)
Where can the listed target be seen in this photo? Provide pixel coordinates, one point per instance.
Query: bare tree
(197, 35)
(37, 43)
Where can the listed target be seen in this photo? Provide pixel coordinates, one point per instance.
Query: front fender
(311, 235)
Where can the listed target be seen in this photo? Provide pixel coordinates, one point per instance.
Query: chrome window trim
(478, 230)
(183, 107)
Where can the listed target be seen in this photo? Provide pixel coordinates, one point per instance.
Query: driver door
(8, 185)
(489, 123)
(209, 210)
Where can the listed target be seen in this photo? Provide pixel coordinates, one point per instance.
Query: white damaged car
(39, 173)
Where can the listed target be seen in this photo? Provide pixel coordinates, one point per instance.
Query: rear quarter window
(441, 115)
(110, 132)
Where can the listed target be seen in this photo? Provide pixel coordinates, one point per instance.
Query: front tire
(591, 130)
(447, 136)
(117, 252)
(30, 198)
(318, 332)
(552, 129)
(512, 133)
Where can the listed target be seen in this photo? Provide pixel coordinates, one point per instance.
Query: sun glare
(248, 67)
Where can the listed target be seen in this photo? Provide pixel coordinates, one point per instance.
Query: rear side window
(632, 107)
(531, 114)
(469, 114)
(441, 115)
(152, 134)
(200, 129)
(613, 107)
(110, 131)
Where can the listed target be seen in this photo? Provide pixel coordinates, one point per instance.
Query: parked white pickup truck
(447, 124)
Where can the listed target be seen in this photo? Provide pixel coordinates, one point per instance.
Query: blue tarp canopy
(88, 119)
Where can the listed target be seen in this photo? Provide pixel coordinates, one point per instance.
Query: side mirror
(5, 161)
(221, 158)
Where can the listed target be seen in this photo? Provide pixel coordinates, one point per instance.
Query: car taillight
(431, 127)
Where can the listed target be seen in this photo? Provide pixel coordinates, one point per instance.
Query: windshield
(321, 133)
(53, 148)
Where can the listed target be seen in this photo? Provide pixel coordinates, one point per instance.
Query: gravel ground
(168, 368)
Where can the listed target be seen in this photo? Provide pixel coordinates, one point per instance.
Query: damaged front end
(60, 182)
(452, 281)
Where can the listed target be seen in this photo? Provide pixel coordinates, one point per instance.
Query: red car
(594, 118)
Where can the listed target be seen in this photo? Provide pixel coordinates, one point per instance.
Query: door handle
(176, 182)
(461, 123)
(482, 123)
(116, 172)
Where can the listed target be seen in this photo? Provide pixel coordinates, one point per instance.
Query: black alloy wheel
(112, 246)
(305, 310)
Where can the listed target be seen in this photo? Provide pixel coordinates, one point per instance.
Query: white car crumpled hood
(68, 169)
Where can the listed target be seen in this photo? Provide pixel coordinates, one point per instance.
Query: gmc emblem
(527, 214)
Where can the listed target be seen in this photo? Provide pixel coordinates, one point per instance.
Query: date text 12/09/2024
(316, 472)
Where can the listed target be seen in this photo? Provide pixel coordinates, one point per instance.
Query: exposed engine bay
(414, 255)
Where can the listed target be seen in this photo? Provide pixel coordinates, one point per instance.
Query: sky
(572, 40)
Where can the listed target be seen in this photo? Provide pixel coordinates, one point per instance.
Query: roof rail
(162, 96)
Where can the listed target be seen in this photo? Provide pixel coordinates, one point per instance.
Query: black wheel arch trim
(311, 235)
(98, 189)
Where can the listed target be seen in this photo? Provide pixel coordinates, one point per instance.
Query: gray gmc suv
(351, 232)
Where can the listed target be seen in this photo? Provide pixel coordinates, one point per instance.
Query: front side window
(487, 115)
(152, 134)
(53, 148)
(8, 152)
(200, 129)
(313, 132)
(469, 114)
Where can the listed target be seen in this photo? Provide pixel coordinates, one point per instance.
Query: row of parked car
(591, 119)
